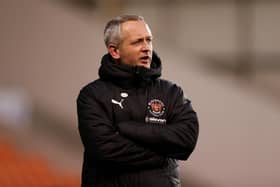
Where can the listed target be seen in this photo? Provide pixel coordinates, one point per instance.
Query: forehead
(135, 29)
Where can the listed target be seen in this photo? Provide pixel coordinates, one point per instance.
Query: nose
(147, 46)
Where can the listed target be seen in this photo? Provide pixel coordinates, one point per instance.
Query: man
(133, 125)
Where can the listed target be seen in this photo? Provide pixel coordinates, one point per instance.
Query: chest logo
(156, 107)
(124, 94)
(118, 102)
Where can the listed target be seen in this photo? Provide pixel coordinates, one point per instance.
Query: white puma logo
(118, 103)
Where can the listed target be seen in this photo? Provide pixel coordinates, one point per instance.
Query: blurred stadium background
(224, 53)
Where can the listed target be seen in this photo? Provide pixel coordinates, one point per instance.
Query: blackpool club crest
(156, 107)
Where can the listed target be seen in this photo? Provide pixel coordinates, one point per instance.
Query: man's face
(136, 44)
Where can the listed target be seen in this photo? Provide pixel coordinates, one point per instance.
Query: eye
(136, 42)
(149, 39)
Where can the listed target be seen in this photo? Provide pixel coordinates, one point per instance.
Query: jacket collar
(127, 76)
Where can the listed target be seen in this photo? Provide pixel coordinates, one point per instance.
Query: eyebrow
(142, 38)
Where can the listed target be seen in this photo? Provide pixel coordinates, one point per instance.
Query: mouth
(145, 59)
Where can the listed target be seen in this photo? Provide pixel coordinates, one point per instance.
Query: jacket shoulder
(95, 88)
(169, 86)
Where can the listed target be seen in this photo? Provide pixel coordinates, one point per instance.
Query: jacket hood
(126, 75)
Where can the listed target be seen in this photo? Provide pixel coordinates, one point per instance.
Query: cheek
(129, 57)
(133, 52)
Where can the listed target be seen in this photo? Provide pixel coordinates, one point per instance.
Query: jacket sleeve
(176, 139)
(103, 142)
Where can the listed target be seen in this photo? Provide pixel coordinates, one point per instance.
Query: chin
(145, 65)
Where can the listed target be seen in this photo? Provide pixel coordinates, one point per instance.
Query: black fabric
(127, 140)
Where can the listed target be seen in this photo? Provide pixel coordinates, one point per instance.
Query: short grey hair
(112, 31)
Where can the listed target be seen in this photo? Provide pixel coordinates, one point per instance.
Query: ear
(114, 51)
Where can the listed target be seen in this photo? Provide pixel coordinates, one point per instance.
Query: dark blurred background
(224, 53)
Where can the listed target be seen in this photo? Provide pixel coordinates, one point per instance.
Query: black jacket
(134, 126)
